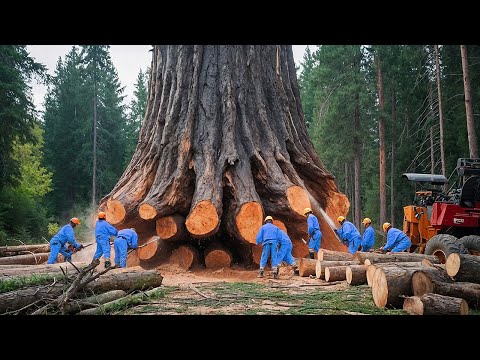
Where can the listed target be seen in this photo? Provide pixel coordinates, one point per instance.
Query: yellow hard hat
(102, 215)
(306, 211)
(386, 226)
(340, 218)
(268, 218)
(367, 221)
(75, 220)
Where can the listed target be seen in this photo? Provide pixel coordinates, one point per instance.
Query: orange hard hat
(102, 215)
(386, 226)
(75, 220)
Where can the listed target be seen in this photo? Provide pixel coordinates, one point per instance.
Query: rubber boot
(275, 273)
(312, 255)
(295, 270)
(107, 264)
(260, 274)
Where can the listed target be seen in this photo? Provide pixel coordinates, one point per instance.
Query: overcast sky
(127, 59)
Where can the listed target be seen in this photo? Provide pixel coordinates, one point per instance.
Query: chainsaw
(73, 250)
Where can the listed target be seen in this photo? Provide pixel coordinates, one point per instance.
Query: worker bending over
(285, 252)
(268, 236)
(397, 240)
(64, 235)
(368, 238)
(125, 239)
(349, 234)
(314, 232)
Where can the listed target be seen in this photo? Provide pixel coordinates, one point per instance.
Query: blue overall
(285, 252)
(368, 238)
(125, 239)
(349, 233)
(397, 241)
(314, 232)
(103, 231)
(268, 236)
(57, 244)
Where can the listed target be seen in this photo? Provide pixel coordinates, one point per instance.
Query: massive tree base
(223, 144)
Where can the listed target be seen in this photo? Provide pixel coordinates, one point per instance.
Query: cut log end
(452, 264)
(298, 199)
(184, 256)
(379, 288)
(435, 304)
(413, 305)
(170, 227)
(421, 284)
(280, 225)
(115, 212)
(307, 267)
(147, 211)
(203, 220)
(249, 220)
(217, 259)
(149, 251)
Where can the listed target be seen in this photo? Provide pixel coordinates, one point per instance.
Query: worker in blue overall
(368, 237)
(125, 239)
(285, 252)
(268, 236)
(314, 232)
(397, 240)
(58, 242)
(103, 231)
(349, 234)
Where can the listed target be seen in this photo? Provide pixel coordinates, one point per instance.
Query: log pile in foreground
(463, 267)
(322, 264)
(375, 258)
(434, 304)
(72, 291)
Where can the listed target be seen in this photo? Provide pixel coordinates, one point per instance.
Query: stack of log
(74, 288)
(418, 283)
(26, 254)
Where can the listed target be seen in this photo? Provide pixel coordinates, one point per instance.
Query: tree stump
(434, 304)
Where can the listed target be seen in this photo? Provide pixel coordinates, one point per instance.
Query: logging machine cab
(440, 221)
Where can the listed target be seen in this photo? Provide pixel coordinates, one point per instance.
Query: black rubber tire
(443, 245)
(471, 242)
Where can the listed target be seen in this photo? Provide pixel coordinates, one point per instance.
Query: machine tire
(443, 245)
(471, 243)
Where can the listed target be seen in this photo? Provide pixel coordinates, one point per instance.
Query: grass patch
(16, 283)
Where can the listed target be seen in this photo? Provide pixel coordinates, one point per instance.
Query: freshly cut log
(27, 270)
(171, 228)
(30, 259)
(133, 299)
(330, 255)
(307, 267)
(393, 257)
(424, 283)
(371, 268)
(356, 274)
(322, 264)
(149, 251)
(77, 305)
(367, 262)
(218, 153)
(127, 280)
(217, 257)
(335, 273)
(463, 267)
(389, 283)
(428, 263)
(185, 256)
(133, 259)
(280, 224)
(35, 248)
(434, 304)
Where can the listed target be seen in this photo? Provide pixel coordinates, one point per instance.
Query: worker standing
(285, 252)
(397, 240)
(314, 232)
(58, 241)
(349, 234)
(368, 238)
(103, 231)
(268, 236)
(125, 239)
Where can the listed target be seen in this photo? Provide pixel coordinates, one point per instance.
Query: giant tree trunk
(224, 143)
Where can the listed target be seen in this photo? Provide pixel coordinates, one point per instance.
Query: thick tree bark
(463, 267)
(381, 140)
(472, 137)
(434, 304)
(322, 264)
(393, 257)
(223, 144)
(335, 273)
(356, 274)
(330, 255)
